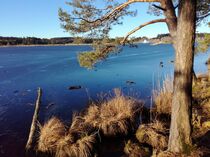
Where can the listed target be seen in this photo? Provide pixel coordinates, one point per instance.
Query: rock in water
(75, 87)
(130, 82)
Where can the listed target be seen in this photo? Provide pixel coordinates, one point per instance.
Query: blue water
(55, 69)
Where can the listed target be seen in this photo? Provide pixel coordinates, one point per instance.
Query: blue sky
(39, 18)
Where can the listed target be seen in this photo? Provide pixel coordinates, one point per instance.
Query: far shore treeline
(10, 41)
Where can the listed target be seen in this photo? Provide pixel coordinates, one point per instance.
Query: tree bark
(171, 18)
(180, 130)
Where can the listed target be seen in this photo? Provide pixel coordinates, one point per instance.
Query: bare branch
(159, 7)
(175, 7)
(141, 26)
(118, 9)
(164, 9)
(203, 16)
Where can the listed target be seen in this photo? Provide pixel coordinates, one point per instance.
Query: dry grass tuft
(159, 126)
(195, 152)
(201, 109)
(50, 134)
(153, 134)
(158, 153)
(135, 150)
(163, 96)
(114, 116)
(79, 126)
(69, 146)
(77, 142)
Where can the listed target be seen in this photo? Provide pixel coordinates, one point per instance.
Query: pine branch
(117, 9)
(141, 26)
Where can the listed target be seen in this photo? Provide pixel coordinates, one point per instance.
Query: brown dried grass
(163, 97)
(153, 134)
(50, 134)
(114, 116)
(132, 149)
(71, 147)
(77, 142)
(80, 140)
(195, 152)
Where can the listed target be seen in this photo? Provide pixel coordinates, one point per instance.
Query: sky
(39, 18)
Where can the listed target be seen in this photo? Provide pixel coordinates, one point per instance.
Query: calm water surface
(55, 69)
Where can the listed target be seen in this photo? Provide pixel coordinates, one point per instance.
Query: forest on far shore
(7, 41)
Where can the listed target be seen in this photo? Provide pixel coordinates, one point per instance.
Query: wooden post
(34, 121)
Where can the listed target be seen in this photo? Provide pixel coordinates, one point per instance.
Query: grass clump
(153, 134)
(195, 152)
(50, 134)
(163, 97)
(115, 116)
(82, 146)
(135, 150)
(78, 141)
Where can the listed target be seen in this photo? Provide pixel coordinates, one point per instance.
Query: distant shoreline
(51, 45)
(44, 45)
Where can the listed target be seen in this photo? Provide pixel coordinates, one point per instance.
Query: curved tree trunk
(180, 130)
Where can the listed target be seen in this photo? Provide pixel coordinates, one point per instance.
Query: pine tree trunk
(180, 130)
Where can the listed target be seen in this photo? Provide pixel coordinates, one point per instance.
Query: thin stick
(34, 121)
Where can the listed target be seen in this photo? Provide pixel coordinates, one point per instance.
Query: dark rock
(130, 82)
(75, 87)
(161, 64)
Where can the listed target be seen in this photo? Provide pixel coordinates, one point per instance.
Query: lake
(55, 69)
